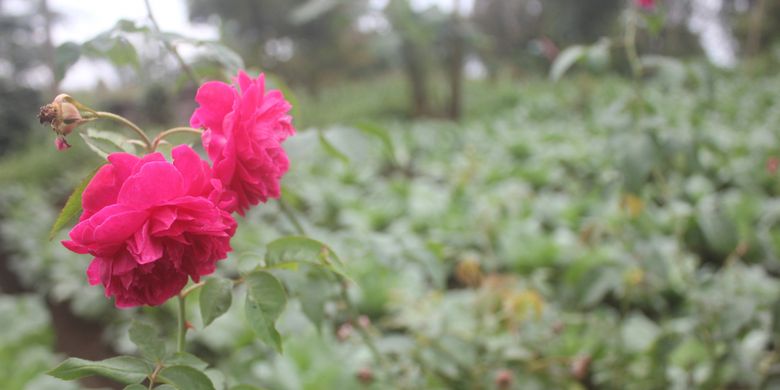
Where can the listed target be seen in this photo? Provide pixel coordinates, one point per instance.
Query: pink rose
(151, 224)
(646, 4)
(245, 128)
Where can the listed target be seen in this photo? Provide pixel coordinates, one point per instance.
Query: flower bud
(63, 116)
(504, 379)
(365, 376)
(344, 331)
(61, 143)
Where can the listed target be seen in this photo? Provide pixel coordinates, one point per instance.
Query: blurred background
(528, 194)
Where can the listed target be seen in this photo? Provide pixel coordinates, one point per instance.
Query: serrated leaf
(185, 378)
(72, 207)
(304, 250)
(330, 148)
(66, 55)
(216, 295)
(186, 359)
(113, 47)
(118, 141)
(93, 146)
(123, 369)
(265, 301)
(145, 337)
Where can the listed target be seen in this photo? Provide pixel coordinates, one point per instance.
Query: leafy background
(594, 232)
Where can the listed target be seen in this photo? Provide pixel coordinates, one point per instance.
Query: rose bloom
(244, 130)
(646, 4)
(150, 224)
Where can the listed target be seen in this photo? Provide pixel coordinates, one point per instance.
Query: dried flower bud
(344, 331)
(365, 376)
(468, 272)
(580, 366)
(772, 163)
(364, 321)
(48, 114)
(63, 116)
(504, 379)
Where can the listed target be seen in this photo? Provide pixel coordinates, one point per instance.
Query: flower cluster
(151, 225)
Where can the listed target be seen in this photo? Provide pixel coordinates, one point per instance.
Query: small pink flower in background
(772, 163)
(646, 4)
(245, 128)
(150, 225)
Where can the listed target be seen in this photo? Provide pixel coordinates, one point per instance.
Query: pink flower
(61, 143)
(245, 128)
(646, 4)
(772, 164)
(150, 225)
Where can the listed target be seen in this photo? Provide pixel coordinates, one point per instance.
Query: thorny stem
(174, 130)
(154, 374)
(182, 324)
(114, 117)
(186, 68)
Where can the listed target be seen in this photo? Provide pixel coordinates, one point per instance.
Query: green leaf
(216, 295)
(72, 207)
(245, 387)
(145, 337)
(314, 294)
(185, 378)
(123, 369)
(311, 10)
(265, 301)
(66, 55)
(165, 387)
(565, 60)
(332, 150)
(186, 359)
(106, 142)
(718, 227)
(381, 133)
(226, 56)
(135, 386)
(302, 250)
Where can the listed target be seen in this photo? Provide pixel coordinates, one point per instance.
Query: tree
(305, 41)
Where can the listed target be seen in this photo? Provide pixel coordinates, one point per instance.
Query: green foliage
(265, 301)
(72, 207)
(560, 226)
(145, 337)
(186, 378)
(124, 369)
(216, 296)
